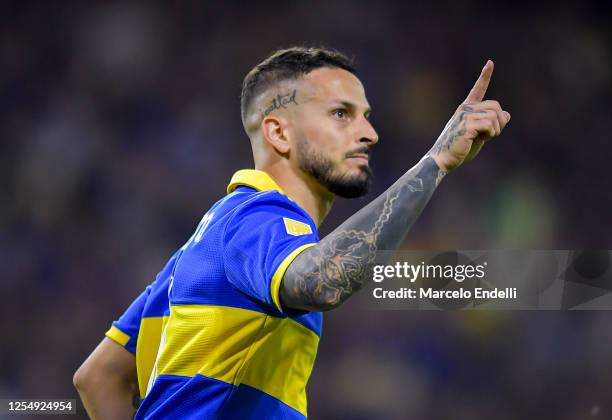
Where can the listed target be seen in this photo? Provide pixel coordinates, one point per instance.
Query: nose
(367, 133)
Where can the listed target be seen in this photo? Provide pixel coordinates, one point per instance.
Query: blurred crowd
(120, 126)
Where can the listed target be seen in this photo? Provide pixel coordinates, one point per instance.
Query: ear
(273, 133)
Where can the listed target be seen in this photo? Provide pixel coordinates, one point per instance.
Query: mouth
(360, 157)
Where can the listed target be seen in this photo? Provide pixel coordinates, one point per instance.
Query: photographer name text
(431, 293)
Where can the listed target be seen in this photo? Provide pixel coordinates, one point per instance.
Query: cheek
(327, 139)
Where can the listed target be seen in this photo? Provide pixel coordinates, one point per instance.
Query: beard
(322, 169)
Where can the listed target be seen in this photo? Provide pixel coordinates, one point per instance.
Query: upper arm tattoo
(324, 276)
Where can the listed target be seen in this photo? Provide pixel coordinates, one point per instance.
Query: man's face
(332, 135)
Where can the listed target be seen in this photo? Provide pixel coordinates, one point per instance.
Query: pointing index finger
(480, 87)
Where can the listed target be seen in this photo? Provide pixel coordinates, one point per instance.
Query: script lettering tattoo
(324, 276)
(454, 129)
(281, 101)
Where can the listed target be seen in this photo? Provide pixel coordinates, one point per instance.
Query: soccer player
(246, 291)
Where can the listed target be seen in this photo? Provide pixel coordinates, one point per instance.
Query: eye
(340, 113)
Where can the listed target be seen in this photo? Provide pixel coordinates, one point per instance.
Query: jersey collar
(253, 178)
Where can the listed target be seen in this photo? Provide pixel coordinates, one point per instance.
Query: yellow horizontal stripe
(149, 337)
(281, 361)
(280, 272)
(211, 340)
(117, 335)
(274, 355)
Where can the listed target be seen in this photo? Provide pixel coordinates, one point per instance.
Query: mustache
(366, 150)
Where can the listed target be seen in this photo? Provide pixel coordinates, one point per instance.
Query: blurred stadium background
(120, 126)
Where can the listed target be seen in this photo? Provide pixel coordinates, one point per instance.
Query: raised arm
(324, 276)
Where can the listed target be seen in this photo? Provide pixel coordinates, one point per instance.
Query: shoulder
(271, 203)
(272, 212)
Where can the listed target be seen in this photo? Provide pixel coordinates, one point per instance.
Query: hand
(474, 122)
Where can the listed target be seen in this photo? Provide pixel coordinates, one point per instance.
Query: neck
(315, 199)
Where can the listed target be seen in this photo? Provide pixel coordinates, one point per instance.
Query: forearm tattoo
(324, 276)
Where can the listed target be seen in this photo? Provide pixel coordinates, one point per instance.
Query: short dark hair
(287, 64)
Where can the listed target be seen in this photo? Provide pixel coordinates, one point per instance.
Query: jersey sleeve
(261, 240)
(125, 330)
(152, 302)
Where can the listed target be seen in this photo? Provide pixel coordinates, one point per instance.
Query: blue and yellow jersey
(228, 350)
(140, 328)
